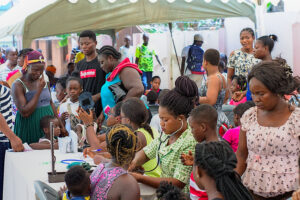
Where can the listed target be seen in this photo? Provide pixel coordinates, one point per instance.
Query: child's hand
(64, 116)
(187, 159)
(296, 195)
(61, 191)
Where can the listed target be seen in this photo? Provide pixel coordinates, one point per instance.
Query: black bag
(119, 91)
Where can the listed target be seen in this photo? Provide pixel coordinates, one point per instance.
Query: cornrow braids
(110, 51)
(276, 75)
(218, 160)
(135, 110)
(249, 30)
(121, 144)
(183, 98)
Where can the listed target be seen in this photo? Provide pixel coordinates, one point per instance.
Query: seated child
(213, 170)
(78, 183)
(238, 85)
(167, 191)
(155, 121)
(203, 122)
(45, 142)
(232, 135)
(155, 84)
(152, 102)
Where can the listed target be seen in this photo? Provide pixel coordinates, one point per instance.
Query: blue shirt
(248, 94)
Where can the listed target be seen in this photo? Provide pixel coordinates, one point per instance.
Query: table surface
(22, 169)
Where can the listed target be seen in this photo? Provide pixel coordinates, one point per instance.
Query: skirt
(28, 128)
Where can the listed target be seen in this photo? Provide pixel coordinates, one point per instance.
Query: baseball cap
(198, 37)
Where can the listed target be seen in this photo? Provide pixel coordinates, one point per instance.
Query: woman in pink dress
(269, 143)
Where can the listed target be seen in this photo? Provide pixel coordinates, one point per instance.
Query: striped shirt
(6, 109)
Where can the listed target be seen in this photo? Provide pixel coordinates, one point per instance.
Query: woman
(175, 139)
(214, 91)
(241, 61)
(111, 181)
(269, 142)
(214, 170)
(32, 98)
(123, 79)
(262, 50)
(134, 113)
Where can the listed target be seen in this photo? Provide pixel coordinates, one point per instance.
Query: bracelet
(88, 125)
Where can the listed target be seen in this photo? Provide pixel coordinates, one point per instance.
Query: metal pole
(53, 159)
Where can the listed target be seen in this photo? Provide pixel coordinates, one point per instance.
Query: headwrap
(32, 57)
(51, 69)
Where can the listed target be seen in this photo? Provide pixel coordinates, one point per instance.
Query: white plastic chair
(44, 191)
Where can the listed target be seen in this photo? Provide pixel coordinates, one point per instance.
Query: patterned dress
(241, 62)
(273, 152)
(169, 156)
(102, 180)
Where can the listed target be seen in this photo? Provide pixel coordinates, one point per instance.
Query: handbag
(119, 91)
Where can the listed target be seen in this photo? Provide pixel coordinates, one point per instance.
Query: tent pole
(170, 28)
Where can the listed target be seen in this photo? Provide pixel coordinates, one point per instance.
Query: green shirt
(145, 56)
(170, 161)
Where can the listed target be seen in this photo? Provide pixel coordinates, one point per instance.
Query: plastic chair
(228, 110)
(44, 191)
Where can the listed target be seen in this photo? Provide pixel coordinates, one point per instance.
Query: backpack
(195, 59)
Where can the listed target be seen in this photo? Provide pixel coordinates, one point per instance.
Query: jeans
(3, 147)
(146, 79)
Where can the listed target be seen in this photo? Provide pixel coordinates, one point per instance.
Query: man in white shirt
(127, 50)
(11, 63)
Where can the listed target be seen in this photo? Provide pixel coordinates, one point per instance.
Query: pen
(96, 150)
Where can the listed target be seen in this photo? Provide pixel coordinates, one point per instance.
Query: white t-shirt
(64, 108)
(127, 53)
(155, 123)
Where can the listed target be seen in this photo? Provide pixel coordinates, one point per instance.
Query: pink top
(235, 103)
(232, 137)
(273, 152)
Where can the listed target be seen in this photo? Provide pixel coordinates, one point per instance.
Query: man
(192, 56)
(144, 59)
(127, 50)
(89, 69)
(6, 134)
(10, 65)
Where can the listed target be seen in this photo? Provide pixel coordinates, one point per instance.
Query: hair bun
(186, 87)
(273, 37)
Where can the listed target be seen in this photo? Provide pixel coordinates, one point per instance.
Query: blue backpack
(195, 59)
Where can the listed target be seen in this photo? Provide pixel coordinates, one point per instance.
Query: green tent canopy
(61, 16)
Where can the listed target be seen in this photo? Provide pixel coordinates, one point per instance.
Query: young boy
(155, 84)
(232, 135)
(45, 142)
(78, 183)
(203, 123)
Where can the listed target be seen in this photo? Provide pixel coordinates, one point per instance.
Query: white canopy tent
(35, 19)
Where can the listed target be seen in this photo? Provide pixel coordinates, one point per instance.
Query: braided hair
(183, 98)
(218, 160)
(167, 191)
(241, 81)
(110, 51)
(276, 75)
(135, 110)
(121, 144)
(249, 30)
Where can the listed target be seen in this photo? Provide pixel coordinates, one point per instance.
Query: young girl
(232, 135)
(238, 84)
(111, 180)
(134, 113)
(68, 109)
(45, 142)
(213, 169)
(175, 139)
(269, 142)
(155, 84)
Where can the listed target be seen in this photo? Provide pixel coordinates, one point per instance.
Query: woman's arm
(230, 73)
(132, 81)
(155, 181)
(213, 88)
(26, 108)
(242, 153)
(43, 145)
(139, 159)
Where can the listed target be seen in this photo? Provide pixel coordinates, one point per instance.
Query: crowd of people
(179, 141)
